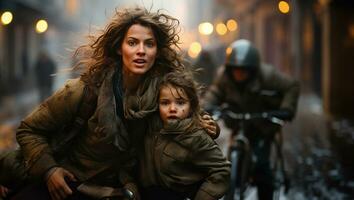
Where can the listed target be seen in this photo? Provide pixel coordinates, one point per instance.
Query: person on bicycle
(249, 86)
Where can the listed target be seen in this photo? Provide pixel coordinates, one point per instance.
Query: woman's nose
(141, 49)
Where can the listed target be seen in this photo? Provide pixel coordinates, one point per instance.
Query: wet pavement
(318, 149)
(12, 109)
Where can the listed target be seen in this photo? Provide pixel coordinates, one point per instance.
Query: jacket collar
(176, 127)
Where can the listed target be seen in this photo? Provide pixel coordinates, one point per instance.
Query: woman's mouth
(139, 62)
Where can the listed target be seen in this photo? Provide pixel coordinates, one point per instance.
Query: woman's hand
(211, 126)
(3, 191)
(57, 186)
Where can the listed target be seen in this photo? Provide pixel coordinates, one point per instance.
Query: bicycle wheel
(281, 181)
(235, 156)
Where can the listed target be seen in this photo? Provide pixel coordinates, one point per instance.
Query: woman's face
(139, 50)
(173, 104)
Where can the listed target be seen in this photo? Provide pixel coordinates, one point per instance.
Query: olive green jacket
(189, 162)
(105, 143)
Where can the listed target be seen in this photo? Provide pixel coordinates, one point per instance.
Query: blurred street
(13, 108)
(309, 40)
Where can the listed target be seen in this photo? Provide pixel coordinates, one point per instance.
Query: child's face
(173, 104)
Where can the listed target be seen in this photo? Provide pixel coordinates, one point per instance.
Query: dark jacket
(189, 162)
(268, 91)
(44, 67)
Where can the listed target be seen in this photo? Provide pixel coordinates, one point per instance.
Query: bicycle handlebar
(246, 116)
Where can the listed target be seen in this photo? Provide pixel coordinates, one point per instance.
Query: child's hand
(211, 126)
(57, 186)
(3, 191)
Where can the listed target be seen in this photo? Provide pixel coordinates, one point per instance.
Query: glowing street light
(221, 29)
(284, 7)
(205, 28)
(228, 50)
(6, 18)
(41, 26)
(194, 49)
(231, 24)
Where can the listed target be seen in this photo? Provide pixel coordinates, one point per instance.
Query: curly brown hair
(101, 53)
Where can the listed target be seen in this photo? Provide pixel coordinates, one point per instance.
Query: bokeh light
(41, 26)
(232, 25)
(228, 50)
(194, 49)
(205, 28)
(284, 7)
(221, 29)
(6, 18)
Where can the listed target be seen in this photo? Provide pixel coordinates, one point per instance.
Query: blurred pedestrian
(44, 68)
(24, 59)
(207, 66)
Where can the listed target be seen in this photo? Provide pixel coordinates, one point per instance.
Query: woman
(123, 64)
(180, 160)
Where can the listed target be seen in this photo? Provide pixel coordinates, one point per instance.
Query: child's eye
(181, 102)
(163, 103)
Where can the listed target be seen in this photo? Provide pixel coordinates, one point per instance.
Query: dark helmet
(243, 55)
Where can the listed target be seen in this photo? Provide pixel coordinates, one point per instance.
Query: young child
(180, 160)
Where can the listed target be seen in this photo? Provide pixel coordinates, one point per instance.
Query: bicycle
(242, 158)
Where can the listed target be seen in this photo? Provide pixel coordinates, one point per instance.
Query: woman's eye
(131, 43)
(150, 44)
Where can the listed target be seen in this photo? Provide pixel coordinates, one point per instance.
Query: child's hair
(185, 81)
